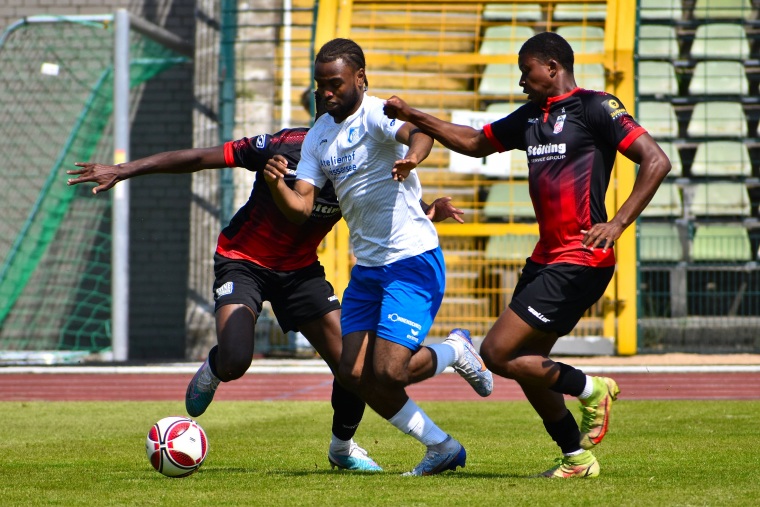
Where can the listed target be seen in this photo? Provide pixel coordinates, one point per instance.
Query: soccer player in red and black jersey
(261, 255)
(571, 137)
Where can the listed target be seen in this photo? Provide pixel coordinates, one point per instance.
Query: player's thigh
(325, 336)
(235, 327)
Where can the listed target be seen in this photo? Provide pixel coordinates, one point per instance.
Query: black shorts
(297, 297)
(554, 297)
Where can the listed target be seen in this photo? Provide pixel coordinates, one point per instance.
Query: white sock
(575, 453)
(413, 421)
(339, 446)
(588, 390)
(447, 354)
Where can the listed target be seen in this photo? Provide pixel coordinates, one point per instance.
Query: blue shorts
(398, 301)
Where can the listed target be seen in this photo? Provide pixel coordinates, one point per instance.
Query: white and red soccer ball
(176, 446)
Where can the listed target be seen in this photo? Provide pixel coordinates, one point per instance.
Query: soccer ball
(176, 446)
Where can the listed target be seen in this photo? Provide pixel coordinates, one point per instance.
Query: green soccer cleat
(581, 465)
(596, 411)
(200, 390)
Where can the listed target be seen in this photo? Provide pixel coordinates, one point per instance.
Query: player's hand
(395, 108)
(441, 209)
(601, 235)
(275, 169)
(106, 176)
(402, 168)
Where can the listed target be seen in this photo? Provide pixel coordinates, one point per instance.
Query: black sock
(571, 380)
(565, 432)
(434, 357)
(348, 410)
(212, 359)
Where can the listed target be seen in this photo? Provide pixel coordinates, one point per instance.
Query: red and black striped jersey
(571, 143)
(259, 232)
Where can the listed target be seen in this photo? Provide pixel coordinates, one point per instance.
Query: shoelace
(205, 382)
(355, 448)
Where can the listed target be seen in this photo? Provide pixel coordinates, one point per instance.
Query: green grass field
(274, 453)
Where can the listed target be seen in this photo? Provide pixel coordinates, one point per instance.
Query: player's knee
(231, 368)
(349, 377)
(392, 376)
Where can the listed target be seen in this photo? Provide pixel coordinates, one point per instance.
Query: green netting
(56, 97)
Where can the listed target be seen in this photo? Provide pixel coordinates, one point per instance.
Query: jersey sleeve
(379, 126)
(508, 133)
(612, 122)
(309, 168)
(251, 153)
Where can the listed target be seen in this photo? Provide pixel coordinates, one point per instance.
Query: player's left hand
(396, 108)
(402, 168)
(441, 209)
(602, 235)
(275, 169)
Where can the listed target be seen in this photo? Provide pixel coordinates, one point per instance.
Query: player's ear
(361, 79)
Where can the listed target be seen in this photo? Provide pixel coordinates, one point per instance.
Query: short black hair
(343, 49)
(550, 46)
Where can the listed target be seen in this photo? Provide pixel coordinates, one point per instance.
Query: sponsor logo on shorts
(539, 315)
(333, 298)
(395, 317)
(224, 290)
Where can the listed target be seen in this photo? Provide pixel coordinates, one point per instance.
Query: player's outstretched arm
(295, 203)
(172, 162)
(419, 144)
(459, 138)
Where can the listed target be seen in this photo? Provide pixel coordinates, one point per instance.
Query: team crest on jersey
(560, 124)
(352, 133)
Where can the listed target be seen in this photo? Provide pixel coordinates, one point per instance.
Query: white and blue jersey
(384, 216)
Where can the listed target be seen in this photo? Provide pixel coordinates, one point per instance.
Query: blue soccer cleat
(356, 459)
(200, 390)
(439, 460)
(470, 366)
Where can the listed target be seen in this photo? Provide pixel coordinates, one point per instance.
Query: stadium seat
(505, 39)
(720, 198)
(590, 76)
(511, 247)
(575, 11)
(512, 11)
(660, 9)
(721, 158)
(720, 40)
(716, 77)
(658, 41)
(659, 118)
(657, 78)
(717, 119)
(718, 242)
(659, 242)
(674, 155)
(583, 39)
(500, 79)
(665, 203)
(722, 9)
(509, 200)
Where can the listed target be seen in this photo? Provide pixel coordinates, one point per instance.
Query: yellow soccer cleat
(581, 465)
(596, 411)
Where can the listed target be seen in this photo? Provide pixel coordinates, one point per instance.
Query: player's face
(340, 86)
(536, 78)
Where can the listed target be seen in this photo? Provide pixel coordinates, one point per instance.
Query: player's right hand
(106, 176)
(396, 108)
(275, 169)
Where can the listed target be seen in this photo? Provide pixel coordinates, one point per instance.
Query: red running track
(310, 387)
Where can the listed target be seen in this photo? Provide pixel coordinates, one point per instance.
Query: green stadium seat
(590, 76)
(720, 199)
(718, 242)
(511, 247)
(720, 40)
(721, 158)
(508, 201)
(670, 10)
(657, 78)
(512, 11)
(671, 150)
(658, 41)
(722, 9)
(500, 79)
(659, 242)
(505, 39)
(717, 119)
(716, 77)
(583, 38)
(665, 203)
(576, 11)
(659, 118)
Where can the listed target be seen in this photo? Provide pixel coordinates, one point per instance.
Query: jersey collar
(550, 101)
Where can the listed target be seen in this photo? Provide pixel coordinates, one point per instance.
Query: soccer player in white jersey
(397, 284)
